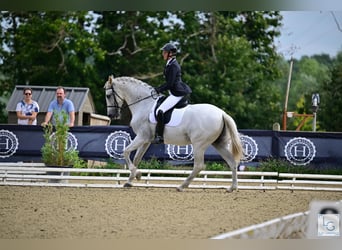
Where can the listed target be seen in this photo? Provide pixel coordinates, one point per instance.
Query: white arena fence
(37, 174)
(286, 227)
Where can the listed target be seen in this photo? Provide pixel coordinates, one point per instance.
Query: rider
(176, 87)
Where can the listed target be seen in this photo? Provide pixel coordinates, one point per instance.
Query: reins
(116, 95)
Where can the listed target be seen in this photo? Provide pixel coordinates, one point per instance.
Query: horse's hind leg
(222, 149)
(198, 166)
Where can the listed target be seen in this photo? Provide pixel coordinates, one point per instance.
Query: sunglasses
(28, 94)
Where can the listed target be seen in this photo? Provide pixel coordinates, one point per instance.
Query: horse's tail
(234, 135)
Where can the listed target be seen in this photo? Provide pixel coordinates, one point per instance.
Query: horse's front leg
(139, 145)
(138, 156)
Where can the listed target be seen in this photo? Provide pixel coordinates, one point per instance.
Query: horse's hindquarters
(201, 123)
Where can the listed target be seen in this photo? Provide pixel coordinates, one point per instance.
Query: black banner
(23, 143)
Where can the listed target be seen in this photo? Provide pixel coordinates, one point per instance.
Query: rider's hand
(157, 90)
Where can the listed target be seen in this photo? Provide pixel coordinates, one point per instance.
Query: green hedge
(269, 165)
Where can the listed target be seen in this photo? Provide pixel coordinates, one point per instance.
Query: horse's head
(113, 99)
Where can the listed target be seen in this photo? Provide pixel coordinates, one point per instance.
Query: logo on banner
(116, 143)
(250, 148)
(300, 151)
(180, 153)
(71, 141)
(8, 143)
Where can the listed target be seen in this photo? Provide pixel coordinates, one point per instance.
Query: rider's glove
(157, 89)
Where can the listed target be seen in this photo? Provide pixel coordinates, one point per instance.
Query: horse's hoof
(179, 189)
(138, 175)
(128, 185)
(231, 189)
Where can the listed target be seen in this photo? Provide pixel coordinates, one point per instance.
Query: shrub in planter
(54, 151)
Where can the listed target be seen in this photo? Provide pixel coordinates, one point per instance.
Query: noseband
(115, 95)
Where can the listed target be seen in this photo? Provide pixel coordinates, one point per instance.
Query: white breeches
(169, 102)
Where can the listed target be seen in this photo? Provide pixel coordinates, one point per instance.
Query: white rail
(312, 182)
(290, 226)
(39, 175)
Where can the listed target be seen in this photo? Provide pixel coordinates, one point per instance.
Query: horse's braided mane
(132, 80)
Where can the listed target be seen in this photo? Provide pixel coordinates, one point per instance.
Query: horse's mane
(133, 81)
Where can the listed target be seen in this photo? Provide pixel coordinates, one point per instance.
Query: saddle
(167, 115)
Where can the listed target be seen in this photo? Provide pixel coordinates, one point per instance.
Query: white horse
(202, 125)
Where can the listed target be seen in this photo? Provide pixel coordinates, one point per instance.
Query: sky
(309, 33)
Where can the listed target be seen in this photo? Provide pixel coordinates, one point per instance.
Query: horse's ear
(108, 81)
(110, 78)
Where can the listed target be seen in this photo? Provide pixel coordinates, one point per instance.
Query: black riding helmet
(169, 47)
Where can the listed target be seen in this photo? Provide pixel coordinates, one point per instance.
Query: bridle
(115, 95)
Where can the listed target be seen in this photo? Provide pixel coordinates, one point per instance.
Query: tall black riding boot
(159, 128)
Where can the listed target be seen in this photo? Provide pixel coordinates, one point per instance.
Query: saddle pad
(176, 117)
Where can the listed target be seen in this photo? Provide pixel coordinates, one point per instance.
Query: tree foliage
(228, 58)
(331, 100)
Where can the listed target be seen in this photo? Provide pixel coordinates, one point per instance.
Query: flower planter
(57, 173)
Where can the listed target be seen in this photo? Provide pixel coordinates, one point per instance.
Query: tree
(131, 42)
(228, 58)
(307, 78)
(226, 66)
(329, 114)
(49, 48)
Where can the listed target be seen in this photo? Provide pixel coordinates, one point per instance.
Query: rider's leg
(160, 127)
(169, 102)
